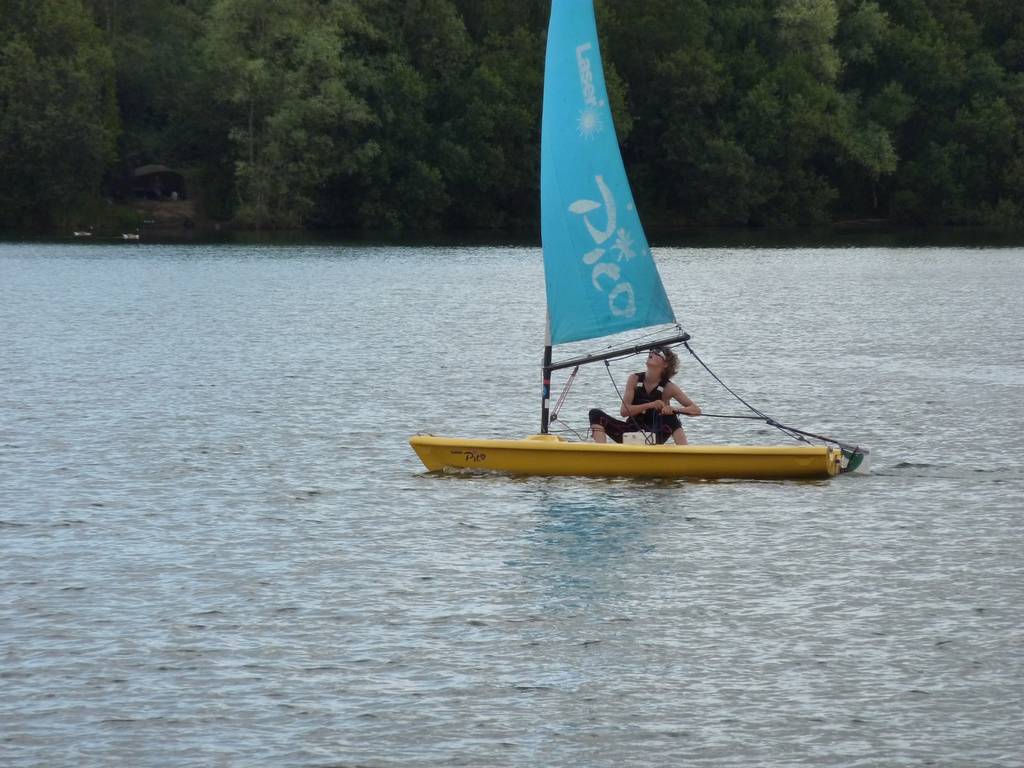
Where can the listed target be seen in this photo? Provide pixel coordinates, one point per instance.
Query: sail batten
(600, 276)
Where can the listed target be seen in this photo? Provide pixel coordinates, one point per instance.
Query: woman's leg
(603, 426)
(670, 426)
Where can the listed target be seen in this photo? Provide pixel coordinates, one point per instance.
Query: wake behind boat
(601, 280)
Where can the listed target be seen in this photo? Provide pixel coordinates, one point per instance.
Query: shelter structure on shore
(158, 182)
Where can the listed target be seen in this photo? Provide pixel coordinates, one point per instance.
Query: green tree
(166, 111)
(455, 122)
(58, 118)
(284, 74)
(483, 18)
(498, 179)
(413, 65)
(492, 145)
(668, 110)
(869, 111)
(960, 142)
(426, 113)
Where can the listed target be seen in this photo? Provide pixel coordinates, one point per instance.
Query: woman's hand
(667, 409)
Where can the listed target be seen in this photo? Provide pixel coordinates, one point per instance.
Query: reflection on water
(218, 547)
(577, 549)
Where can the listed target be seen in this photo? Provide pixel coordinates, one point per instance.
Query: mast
(546, 373)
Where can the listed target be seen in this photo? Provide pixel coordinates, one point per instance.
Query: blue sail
(600, 276)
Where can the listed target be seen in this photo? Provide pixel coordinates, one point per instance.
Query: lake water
(218, 548)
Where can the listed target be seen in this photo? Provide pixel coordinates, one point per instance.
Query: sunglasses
(658, 353)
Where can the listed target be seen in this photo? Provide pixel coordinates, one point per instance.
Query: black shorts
(660, 426)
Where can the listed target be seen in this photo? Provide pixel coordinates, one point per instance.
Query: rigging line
(565, 393)
(622, 399)
(793, 433)
(640, 338)
(730, 416)
(659, 332)
(569, 428)
(796, 434)
(824, 438)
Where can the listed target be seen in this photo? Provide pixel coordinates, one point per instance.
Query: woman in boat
(647, 404)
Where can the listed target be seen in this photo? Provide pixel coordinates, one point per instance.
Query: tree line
(425, 114)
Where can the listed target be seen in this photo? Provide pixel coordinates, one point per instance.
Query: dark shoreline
(835, 236)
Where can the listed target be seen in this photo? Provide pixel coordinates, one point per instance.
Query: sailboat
(601, 280)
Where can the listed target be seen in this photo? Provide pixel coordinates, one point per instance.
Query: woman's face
(655, 363)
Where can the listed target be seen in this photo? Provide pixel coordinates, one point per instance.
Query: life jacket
(642, 396)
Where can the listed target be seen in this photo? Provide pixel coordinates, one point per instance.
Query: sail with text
(599, 273)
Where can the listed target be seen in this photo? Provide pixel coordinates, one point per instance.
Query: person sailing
(647, 404)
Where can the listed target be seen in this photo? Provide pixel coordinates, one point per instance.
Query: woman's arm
(689, 408)
(627, 399)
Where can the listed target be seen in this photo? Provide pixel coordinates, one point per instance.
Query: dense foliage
(426, 113)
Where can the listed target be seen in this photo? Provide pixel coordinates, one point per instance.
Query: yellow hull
(552, 455)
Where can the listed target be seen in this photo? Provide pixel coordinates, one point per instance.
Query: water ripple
(218, 548)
